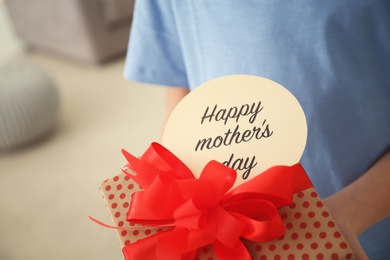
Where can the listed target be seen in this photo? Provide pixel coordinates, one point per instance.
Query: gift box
(310, 232)
(237, 191)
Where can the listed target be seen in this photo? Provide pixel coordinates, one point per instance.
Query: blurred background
(65, 114)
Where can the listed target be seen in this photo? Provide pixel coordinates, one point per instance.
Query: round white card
(248, 123)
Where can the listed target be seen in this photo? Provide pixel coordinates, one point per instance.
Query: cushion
(29, 103)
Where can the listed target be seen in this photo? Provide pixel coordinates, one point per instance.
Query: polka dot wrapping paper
(310, 231)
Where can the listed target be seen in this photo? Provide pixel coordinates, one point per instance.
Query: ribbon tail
(239, 251)
(106, 225)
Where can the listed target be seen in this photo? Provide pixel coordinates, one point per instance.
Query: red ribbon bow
(203, 211)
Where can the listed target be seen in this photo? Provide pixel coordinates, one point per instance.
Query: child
(334, 56)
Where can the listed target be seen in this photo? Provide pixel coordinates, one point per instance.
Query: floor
(48, 189)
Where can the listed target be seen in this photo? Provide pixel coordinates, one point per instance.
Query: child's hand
(343, 224)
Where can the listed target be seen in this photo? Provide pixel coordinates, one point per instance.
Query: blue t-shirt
(334, 56)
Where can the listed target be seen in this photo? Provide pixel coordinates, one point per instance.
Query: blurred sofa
(88, 30)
